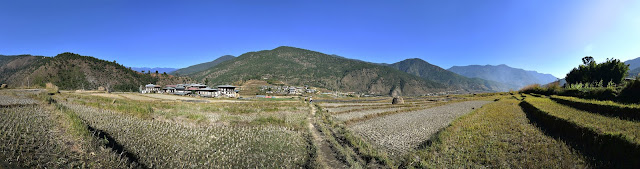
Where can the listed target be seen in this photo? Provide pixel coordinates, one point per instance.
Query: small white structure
(227, 90)
(150, 88)
(207, 92)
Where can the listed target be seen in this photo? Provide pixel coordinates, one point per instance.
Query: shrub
(631, 93)
(52, 89)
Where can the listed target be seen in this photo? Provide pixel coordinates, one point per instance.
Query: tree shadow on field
(117, 147)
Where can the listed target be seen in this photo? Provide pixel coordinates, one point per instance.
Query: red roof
(193, 88)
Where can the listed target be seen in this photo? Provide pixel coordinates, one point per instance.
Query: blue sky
(546, 36)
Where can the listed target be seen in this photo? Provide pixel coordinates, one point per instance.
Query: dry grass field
(131, 130)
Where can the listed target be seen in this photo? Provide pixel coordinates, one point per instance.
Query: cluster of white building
(291, 90)
(192, 90)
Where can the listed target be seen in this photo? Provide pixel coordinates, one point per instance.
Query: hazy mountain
(297, 66)
(71, 71)
(633, 63)
(514, 77)
(431, 72)
(634, 66)
(153, 70)
(202, 66)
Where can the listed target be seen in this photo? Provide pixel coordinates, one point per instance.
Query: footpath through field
(325, 155)
(402, 132)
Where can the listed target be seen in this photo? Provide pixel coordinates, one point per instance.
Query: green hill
(202, 66)
(297, 66)
(71, 71)
(431, 72)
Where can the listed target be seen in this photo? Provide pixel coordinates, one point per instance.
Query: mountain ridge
(298, 66)
(426, 70)
(634, 67)
(515, 77)
(71, 71)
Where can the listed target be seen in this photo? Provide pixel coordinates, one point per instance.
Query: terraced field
(39, 136)
(500, 130)
(402, 132)
(170, 145)
(497, 136)
(612, 141)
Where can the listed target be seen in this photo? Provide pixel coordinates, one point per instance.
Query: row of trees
(611, 71)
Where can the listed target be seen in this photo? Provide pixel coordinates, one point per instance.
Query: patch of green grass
(196, 117)
(269, 120)
(76, 126)
(498, 135)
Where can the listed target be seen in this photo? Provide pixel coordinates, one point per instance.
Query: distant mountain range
(427, 71)
(293, 66)
(153, 70)
(513, 77)
(71, 71)
(202, 66)
(634, 67)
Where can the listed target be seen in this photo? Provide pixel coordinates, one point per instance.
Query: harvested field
(499, 135)
(344, 109)
(352, 104)
(171, 97)
(137, 97)
(109, 95)
(360, 114)
(37, 136)
(400, 133)
(169, 145)
(11, 101)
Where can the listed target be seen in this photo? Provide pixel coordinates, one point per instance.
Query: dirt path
(326, 157)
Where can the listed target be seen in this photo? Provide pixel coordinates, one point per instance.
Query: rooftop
(226, 86)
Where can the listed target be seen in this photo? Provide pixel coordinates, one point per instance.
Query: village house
(207, 92)
(192, 89)
(227, 91)
(169, 89)
(181, 90)
(150, 88)
(287, 90)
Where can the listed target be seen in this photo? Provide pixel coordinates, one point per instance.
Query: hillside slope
(633, 63)
(159, 69)
(202, 66)
(514, 77)
(297, 66)
(634, 67)
(431, 72)
(71, 71)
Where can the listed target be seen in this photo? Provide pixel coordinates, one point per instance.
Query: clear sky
(548, 36)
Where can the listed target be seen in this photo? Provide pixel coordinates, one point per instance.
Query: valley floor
(131, 130)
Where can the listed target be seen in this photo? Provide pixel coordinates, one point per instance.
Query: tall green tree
(613, 70)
